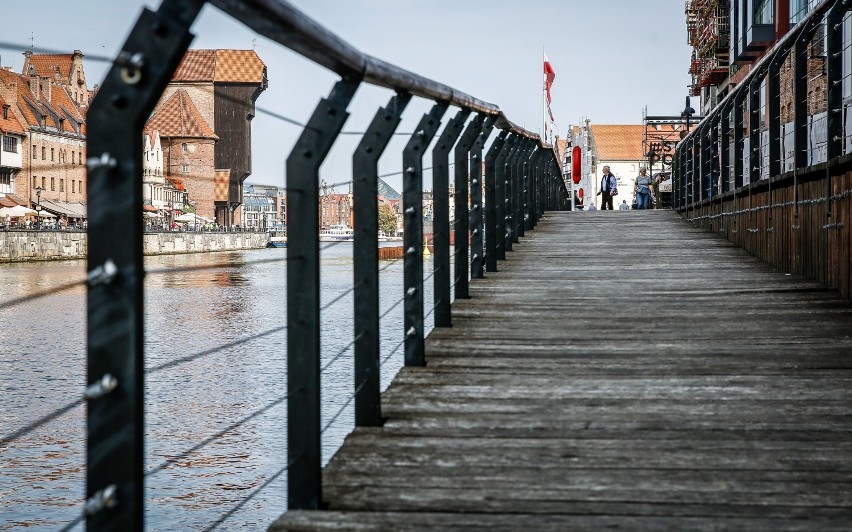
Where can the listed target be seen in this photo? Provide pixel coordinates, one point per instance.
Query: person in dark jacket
(609, 188)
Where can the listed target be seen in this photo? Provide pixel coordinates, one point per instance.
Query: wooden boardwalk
(622, 370)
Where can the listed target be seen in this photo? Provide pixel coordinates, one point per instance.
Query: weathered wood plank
(678, 384)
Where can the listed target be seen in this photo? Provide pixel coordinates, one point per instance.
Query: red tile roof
(227, 66)
(9, 124)
(61, 105)
(239, 66)
(47, 65)
(196, 65)
(618, 142)
(178, 117)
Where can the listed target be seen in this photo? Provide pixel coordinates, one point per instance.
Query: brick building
(53, 172)
(335, 209)
(204, 118)
(187, 145)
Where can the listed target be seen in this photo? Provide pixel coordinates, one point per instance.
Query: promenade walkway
(621, 370)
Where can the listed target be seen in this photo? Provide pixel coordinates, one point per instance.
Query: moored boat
(276, 240)
(337, 233)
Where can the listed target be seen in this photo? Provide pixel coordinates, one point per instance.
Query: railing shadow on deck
(770, 167)
(521, 180)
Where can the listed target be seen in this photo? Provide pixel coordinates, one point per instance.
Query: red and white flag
(549, 76)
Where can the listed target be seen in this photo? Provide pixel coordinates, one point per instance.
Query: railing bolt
(102, 274)
(411, 291)
(105, 498)
(105, 160)
(410, 332)
(474, 182)
(105, 385)
(410, 170)
(410, 210)
(131, 71)
(410, 251)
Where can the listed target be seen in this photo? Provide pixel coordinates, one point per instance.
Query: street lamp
(38, 191)
(687, 113)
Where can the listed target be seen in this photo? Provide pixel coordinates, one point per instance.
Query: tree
(387, 220)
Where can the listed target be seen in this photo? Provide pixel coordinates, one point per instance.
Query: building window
(184, 168)
(43, 153)
(798, 10)
(73, 186)
(35, 152)
(184, 147)
(72, 157)
(61, 185)
(43, 183)
(764, 12)
(52, 151)
(35, 182)
(52, 184)
(5, 112)
(10, 144)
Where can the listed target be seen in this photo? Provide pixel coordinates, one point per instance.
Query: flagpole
(543, 95)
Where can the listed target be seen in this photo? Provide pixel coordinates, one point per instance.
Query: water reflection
(42, 367)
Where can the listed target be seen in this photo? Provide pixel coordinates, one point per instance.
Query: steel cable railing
(301, 257)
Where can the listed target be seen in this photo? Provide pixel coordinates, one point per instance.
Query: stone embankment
(19, 246)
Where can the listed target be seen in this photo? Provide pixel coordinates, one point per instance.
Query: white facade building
(153, 181)
(11, 159)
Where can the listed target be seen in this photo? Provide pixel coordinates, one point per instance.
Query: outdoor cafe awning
(64, 208)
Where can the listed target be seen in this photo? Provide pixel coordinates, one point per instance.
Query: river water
(42, 367)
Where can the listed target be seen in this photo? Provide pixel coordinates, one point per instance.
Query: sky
(612, 58)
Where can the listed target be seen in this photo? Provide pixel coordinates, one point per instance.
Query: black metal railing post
(477, 243)
(754, 158)
(536, 173)
(304, 485)
(691, 170)
(724, 148)
(773, 90)
(834, 80)
(715, 185)
(501, 167)
(491, 206)
(519, 190)
(115, 305)
(412, 208)
(509, 187)
(706, 180)
(523, 190)
(441, 217)
(684, 197)
(679, 173)
(535, 176)
(365, 256)
(800, 92)
(462, 211)
(739, 146)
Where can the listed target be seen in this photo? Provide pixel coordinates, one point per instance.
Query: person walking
(643, 189)
(624, 206)
(609, 189)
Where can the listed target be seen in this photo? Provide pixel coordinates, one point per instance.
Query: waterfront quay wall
(168, 243)
(20, 246)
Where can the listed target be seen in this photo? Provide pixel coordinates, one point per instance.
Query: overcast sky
(613, 58)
